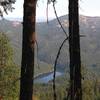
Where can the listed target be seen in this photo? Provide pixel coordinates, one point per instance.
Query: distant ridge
(50, 36)
(45, 19)
(21, 19)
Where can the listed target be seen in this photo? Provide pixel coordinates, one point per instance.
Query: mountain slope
(50, 37)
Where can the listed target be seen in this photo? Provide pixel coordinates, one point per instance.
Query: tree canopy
(9, 72)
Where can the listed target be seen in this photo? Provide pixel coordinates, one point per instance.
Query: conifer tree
(27, 66)
(5, 6)
(74, 49)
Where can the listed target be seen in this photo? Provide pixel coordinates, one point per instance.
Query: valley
(50, 36)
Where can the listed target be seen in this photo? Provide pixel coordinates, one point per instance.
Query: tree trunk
(27, 65)
(74, 49)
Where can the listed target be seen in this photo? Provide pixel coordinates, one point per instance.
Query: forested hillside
(50, 39)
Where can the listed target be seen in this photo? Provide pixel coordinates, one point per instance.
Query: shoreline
(42, 74)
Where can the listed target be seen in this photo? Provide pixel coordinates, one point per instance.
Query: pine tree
(74, 49)
(5, 6)
(27, 66)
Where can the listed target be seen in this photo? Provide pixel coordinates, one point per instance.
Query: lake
(45, 78)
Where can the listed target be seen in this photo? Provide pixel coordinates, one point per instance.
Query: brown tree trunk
(74, 49)
(27, 65)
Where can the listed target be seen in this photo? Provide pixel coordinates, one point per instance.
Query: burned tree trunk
(74, 49)
(27, 65)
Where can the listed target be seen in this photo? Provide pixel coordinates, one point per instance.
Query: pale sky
(87, 7)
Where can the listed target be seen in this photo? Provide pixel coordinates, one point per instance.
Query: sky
(87, 7)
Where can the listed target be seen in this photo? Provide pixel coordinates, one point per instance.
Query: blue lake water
(45, 78)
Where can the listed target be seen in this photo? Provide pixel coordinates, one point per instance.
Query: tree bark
(27, 65)
(74, 49)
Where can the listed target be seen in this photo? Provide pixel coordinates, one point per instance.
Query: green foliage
(90, 87)
(88, 93)
(9, 72)
(5, 6)
(9, 88)
(47, 93)
(6, 52)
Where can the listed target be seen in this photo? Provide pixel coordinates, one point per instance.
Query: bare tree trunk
(27, 66)
(74, 48)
